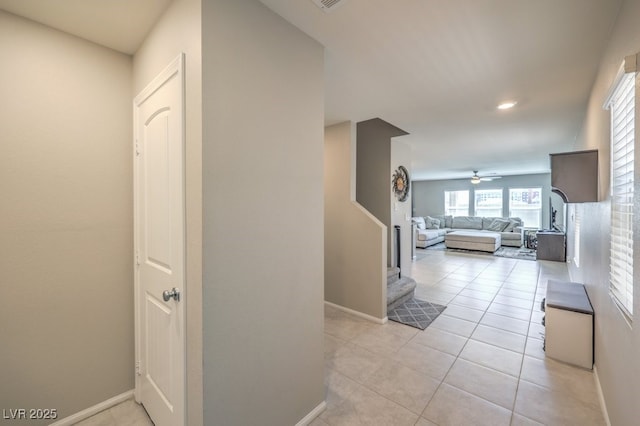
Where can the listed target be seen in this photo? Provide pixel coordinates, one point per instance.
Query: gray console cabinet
(551, 246)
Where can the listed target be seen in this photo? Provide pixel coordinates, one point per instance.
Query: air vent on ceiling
(328, 5)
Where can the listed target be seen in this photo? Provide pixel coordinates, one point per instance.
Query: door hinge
(138, 373)
(137, 259)
(137, 148)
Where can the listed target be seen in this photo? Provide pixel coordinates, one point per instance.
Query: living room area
(506, 212)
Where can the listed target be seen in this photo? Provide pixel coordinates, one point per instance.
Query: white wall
(355, 241)
(263, 113)
(66, 310)
(617, 345)
(179, 30)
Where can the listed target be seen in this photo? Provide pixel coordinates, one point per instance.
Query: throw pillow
(432, 223)
(420, 223)
(448, 221)
(498, 225)
(511, 226)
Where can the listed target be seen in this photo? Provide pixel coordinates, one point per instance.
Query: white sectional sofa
(431, 230)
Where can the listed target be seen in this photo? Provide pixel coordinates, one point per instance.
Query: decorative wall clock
(401, 183)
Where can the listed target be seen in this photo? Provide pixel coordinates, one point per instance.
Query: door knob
(173, 293)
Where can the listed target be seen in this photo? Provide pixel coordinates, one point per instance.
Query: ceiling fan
(475, 179)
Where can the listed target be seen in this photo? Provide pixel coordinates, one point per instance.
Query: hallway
(481, 362)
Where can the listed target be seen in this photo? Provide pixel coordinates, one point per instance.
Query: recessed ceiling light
(507, 105)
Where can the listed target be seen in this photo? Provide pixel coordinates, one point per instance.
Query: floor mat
(416, 313)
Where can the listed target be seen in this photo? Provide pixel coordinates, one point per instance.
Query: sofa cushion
(430, 234)
(498, 225)
(510, 236)
(432, 223)
(419, 221)
(445, 220)
(512, 239)
(487, 221)
(448, 221)
(466, 222)
(513, 223)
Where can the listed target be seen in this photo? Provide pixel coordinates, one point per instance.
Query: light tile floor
(479, 363)
(127, 413)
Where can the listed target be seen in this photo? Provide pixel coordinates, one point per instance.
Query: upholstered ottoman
(473, 240)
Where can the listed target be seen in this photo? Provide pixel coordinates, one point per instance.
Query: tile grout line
(452, 364)
(515, 399)
(465, 344)
(525, 343)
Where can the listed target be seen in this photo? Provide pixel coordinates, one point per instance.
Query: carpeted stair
(399, 290)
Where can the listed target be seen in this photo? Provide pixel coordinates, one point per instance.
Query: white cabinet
(569, 324)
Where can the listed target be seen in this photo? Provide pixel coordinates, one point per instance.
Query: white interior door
(160, 246)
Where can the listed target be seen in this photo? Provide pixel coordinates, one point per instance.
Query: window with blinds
(456, 203)
(622, 106)
(488, 203)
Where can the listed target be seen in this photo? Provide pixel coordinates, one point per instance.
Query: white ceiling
(434, 68)
(438, 68)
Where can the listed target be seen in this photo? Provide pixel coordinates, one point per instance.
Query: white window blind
(526, 203)
(456, 203)
(622, 105)
(488, 202)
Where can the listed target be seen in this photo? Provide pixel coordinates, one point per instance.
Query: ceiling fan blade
(490, 178)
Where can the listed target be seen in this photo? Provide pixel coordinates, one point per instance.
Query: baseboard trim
(603, 404)
(84, 414)
(313, 414)
(358, 313)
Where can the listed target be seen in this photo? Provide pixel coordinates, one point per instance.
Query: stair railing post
(397, 232)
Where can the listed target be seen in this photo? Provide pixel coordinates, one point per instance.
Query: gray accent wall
(617, 343)
(263, 217)
(373, 171)
(66, 233)
(428, 196)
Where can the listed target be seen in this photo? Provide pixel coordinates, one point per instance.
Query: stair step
(392, 270)
(399, 292)
(393, 274)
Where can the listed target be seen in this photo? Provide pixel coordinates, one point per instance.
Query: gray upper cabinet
(574, 176)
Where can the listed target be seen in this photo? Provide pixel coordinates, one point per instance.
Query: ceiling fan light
(507, 105)
(475, 180)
